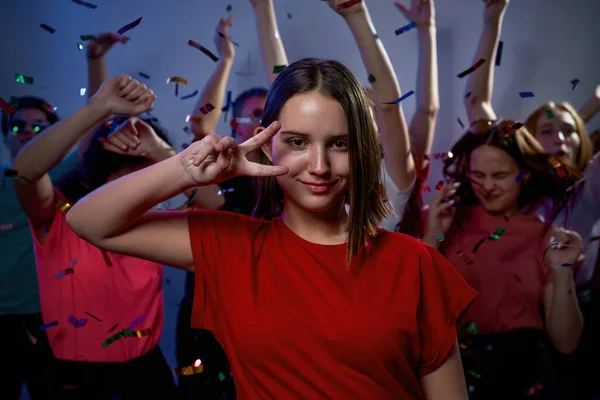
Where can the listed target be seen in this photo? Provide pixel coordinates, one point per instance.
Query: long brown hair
(540, 180)
(585, 152)
(368, 205)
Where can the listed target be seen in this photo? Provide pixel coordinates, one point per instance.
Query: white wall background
(547, 43)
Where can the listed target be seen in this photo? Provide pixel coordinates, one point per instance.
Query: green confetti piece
(85, 38)
(191, 199)
(278, 68)
(440, 237)
(472, 328)
(80, 46)
(474, 374)
(496, 235)
(228, 8)
(20, 78)
(549, 113)
(221, 376)
(14, 101)
(371, 78)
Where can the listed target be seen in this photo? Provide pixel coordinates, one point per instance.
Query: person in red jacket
(311, 299)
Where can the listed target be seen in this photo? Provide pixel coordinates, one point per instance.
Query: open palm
(421, 12)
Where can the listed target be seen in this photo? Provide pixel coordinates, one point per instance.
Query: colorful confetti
(125, 333)
(6, 227)
(48, 325)
(497, 233)
(20, 78)
(189, 96)
(248, 120)
(203, 49)
(11, 173)
(191, 199)
(460, 123)
(471, 69)
(86, 38)
(129, 26)
(115, 326)
(464, 257)
(194, 120)
(371, 78)
(146, 76)
(6, 107)
(228, 8)
(48, 28)
(467, 95)
(77, 323)
(228, 38)
(137, 321)
(80, 46)
(404, 97)
(85, 4)
(549, 113)
(93, 316)
(439, 185)
(525, 95)
(574, 82)
(439, 237)
(49, 108)
(66, 271)
(205, 109)
(473, 374)
(499, 53)
(177, 79)
(63, 206)
(405, 28)
(196, 368)
(278, 68)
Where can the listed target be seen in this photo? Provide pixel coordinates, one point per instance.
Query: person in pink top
(521, 267)
(103, 312)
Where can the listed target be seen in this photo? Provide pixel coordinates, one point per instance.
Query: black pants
(25, 353)
(193, 344)
(514, 365)
(148, 376)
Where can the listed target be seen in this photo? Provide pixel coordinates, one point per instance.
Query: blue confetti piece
(143, 75)
(520, 176)
(407, 95)
(525, 95)
(189, 96)
(48, 325)
(467, 95)
(574, 82)
(233, 133)
(499, 53)
(405, 28)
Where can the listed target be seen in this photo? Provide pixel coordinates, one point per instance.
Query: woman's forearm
(565, 323)
(99, 216)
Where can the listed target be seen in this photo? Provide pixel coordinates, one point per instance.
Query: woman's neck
(329, 227)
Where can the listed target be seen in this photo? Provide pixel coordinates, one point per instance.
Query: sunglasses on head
(17, 126)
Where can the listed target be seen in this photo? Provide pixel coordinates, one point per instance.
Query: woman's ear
(265, 148)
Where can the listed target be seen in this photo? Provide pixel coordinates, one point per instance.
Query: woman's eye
(296, 142)
(340, 144)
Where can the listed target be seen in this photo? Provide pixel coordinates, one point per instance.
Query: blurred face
(252, 108)
(558, 135)
(23, 126)
(493, 175)
(313, 144)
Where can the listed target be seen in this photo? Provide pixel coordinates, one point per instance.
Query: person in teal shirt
(23, 345)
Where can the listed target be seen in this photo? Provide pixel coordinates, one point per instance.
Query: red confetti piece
(439, 185)
(6, 107)
(426, 189)
(205, 109)
(472, 69)
(562, 170)
(203, 49)
(129, 26)
(6, 227)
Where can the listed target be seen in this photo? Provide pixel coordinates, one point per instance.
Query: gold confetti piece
(63, 206)
(195, 120)
(196, 368)
(177, 79)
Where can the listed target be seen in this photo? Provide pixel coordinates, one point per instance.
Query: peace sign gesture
(215, 158)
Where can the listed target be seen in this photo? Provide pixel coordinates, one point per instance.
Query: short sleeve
(221, 241)
(398, 198)
(444, 296)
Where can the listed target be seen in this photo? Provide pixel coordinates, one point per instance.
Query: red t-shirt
(296, 322)
(507, 272)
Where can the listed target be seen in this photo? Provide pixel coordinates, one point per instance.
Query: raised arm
(97, 73)
(115, 217)
(273, 52)
(214, 91)
(399, 163)
(422, 124)
(47, 149)
(564, 321)
(591, 107)
(480, 83)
